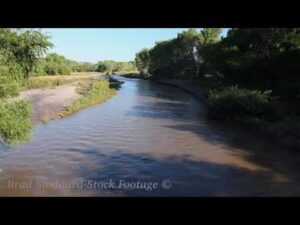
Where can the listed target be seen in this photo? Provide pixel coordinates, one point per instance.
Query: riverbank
(185, 85)
(134, 75)
(33, 106)
(64, 100)
(90, 93)
(56, 80)
(50, 95)
(149, 128)
(49, 103)
(284, 131)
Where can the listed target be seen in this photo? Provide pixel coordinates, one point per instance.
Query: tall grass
(93, 92)
(15, 124)
(45, 82)
(10, 89)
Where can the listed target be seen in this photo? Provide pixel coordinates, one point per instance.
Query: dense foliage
(20, 51)
(258, 58)
(93, 92)
(110, 66)
(237, 102)
(57, 64)
(86, 67)
(179, 57)
(10, 89)
(15, 124)
(142, 60)
(255, 59)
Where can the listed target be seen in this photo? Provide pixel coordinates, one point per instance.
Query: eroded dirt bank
(48, 103)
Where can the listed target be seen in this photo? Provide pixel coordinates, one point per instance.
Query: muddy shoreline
(48, 103)
(291, 141)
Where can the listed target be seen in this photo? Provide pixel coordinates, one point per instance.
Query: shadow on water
(187, 177)
(262, 152)
(154, 132)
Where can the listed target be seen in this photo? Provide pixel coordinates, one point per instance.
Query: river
(148, 140)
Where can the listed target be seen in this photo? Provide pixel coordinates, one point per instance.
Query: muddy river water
(148, 140)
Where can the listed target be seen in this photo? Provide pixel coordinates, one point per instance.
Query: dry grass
(73, 75)
(56, 80)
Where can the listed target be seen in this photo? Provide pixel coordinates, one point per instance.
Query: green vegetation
(20, 57)
(15, 125)
(9, 90)
(22, 66)
(176, 58)
(250, 76)
(93, 92)
(256, 60)
(45, 82)
(142, 60)
(233, 102)
(20, 51)
(110, 66)
(86, 67)
(55, 64)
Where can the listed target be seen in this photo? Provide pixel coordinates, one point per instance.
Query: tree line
(23, 54)
(54, 64)
(252, 58)
(179, 57)
(253, 74)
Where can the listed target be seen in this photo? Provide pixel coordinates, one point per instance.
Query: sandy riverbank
(48, 103)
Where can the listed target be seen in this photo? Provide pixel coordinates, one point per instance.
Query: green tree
(266, 58)
(180, 57)
(86, 67)
(57, 64)
(102, 67)
(210, 35)
(21, 50)
(111, 66)
(142, 60)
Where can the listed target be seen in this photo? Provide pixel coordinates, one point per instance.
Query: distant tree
(86, 67)
(102, 67)
(57, 64)
(142, 61)
(111, 66)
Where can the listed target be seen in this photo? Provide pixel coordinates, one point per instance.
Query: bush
(56, 64)
(93, 92)
(233, 102)
(15, 124)
(9, 90)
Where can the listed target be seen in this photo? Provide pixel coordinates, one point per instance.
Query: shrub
(234, 102)
(93, 92)
(57, 64)
(15, 124)
(9, 90)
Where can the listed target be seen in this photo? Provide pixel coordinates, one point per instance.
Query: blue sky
(92, 45)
